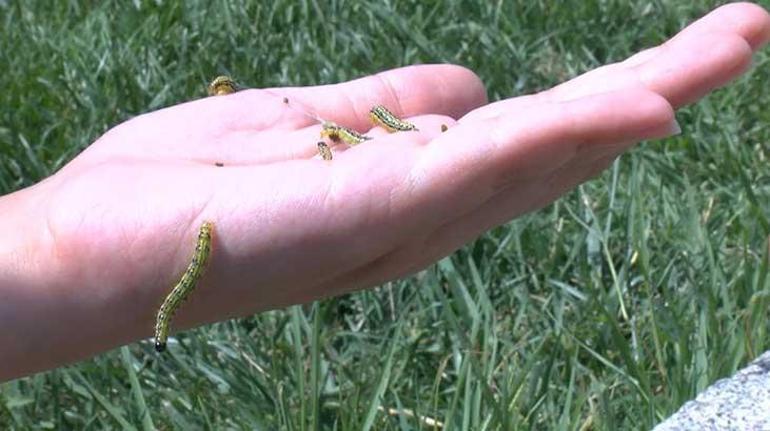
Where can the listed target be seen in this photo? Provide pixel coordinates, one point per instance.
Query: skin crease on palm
(108, 235)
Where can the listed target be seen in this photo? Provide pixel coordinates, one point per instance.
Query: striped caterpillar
(222, 85)
(338, 133)
(382, 117)
(324, 150)
(379, 115)
(186, 284)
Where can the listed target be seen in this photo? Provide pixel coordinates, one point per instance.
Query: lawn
(606, 310)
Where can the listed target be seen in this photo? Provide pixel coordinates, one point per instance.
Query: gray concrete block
(741, 402)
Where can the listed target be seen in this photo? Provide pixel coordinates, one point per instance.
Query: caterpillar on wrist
(185, 286)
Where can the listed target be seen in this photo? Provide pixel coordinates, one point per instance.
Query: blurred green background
(606, 310)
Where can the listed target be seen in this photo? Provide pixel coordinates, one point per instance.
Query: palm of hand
(302, 228)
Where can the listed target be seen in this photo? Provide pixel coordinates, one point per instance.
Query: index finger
(407, 91)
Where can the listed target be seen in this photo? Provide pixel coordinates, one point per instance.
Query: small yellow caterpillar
(324, 150)
(222, 85)
(185, 285)
(382, 117)
(337, 133)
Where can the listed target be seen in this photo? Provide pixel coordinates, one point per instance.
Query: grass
(606, 310)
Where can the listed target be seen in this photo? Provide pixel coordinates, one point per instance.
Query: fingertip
(446, 89)
(618, 116)
(473, 90)
(735, 53)
(749, 20)
(695, 64)
(655, 115)
(621, 116)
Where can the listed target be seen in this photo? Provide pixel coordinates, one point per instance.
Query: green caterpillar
(324, 150)
(186, 284)
(381, 116)
(337, 133)
(222, 85)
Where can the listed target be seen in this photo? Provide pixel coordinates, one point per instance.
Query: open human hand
(117, 225)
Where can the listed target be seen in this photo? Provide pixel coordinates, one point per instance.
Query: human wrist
(25, 249)
(27, 269)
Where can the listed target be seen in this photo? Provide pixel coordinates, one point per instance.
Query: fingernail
(674, 128)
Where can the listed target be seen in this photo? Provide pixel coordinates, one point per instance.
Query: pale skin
(88, 254)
